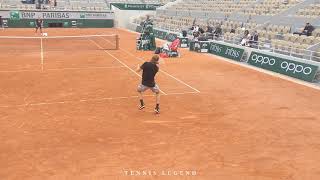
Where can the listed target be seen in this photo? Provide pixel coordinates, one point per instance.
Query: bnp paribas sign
(16, 15)
(229, 52)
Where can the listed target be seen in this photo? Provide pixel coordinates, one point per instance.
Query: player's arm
(139, 68)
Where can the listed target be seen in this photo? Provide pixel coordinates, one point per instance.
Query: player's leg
(141, 89)
(156, 90)
(157, 108)
(36, 29)
(40, 29)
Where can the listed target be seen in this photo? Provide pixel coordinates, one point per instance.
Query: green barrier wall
(184, 42)
(160, 34)
(217, 49)
(67, 23)
(226, 51)
(141, 7)
(288, 67)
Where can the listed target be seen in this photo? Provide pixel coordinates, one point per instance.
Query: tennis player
(39, 23)
(149, 71)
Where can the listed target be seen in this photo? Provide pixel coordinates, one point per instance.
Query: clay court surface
(68, 110)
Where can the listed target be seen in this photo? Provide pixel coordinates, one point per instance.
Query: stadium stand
(86, 5)
(76, 5)
(311, 11)
(273, 20)
(269, 7)
(15, 4)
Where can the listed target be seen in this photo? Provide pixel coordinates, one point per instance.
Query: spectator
(201, 30)
(245, 41)
(254, 39)
(195, 31)
(195, 28)
(218, 31)
(307, 31)
(246, 33)
(196, 35)
(209, 32)
(209, 29)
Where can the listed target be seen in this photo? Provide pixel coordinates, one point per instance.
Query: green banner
(83, 23)
(226, 51)
(194, 46)
(26, 14)
(32, 24)
(291, 68)
(184, 42)
(14, 15)
(144, 7)
(65, 24)
(160, 34)
(204, 46)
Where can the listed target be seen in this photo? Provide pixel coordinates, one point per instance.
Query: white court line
(62, 69)
(180, 81)
(54, 37)
(121, 62)
(88, 100)
(41, 52)
(85, 68)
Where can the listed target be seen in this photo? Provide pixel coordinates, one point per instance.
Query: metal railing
(280, 49)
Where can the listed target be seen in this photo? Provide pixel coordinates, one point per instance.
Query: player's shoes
(141, 107)
(157, 110)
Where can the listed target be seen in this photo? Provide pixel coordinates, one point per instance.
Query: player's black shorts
(38, 26)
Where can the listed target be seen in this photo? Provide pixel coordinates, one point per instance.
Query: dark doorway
(55, 25)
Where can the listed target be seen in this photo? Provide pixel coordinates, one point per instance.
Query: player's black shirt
(149, 71)
(39, 22)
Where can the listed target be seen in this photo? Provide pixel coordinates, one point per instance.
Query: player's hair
(155, 59)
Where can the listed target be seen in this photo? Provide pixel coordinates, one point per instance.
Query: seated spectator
(209, 29)
(254, 39)
(201, 30)
(196, 35)
(194, 28)
(218, 31)
(245, 41)
(232, 31)
(184, 33)
(209, 32)
(246, 33)
(203, 37)
(195, 31)
(307, 31)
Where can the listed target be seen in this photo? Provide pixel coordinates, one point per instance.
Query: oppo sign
(287, 66)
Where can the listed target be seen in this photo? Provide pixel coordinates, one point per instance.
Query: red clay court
(69, 110)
